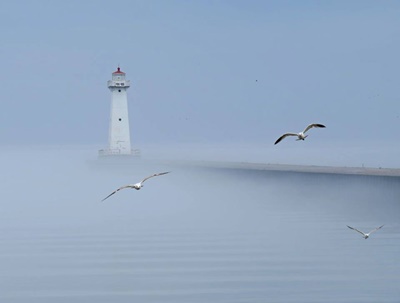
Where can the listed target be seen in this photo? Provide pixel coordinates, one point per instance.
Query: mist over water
(195, 235)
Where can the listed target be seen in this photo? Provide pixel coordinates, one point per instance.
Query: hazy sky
(202, 72)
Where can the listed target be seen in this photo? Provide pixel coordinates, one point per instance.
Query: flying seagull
(366, 236)
(136, 186)
(301, 135)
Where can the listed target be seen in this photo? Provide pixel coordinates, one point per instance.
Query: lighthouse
(119, 142)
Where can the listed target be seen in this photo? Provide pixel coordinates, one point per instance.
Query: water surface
(195, 235)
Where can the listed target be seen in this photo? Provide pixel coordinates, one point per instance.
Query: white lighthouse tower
(119, 142)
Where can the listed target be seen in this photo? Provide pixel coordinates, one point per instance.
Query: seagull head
(137, 185)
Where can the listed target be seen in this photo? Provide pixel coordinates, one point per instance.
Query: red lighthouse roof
(118, 71)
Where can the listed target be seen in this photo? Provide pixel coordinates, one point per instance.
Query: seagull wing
(284, 136)
(155, 175)
(314, 125)
(356, 230)
(126, 186)
(376, 229)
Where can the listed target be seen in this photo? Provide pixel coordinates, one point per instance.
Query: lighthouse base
(119, 153)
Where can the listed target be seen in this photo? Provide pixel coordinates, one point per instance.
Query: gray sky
(202, 72)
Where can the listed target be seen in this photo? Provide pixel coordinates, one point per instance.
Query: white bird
(301, 135)
(136, 186)
(365, 235)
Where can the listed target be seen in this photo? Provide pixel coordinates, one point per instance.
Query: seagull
(366, 236)
(301, 135)
(136, 186)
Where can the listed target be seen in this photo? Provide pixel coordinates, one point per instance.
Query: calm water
(194, 235)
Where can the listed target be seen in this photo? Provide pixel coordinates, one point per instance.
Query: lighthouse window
(119, 119)
(119, 90)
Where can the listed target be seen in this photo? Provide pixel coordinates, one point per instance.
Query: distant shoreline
(343, 170)
(367, 171)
